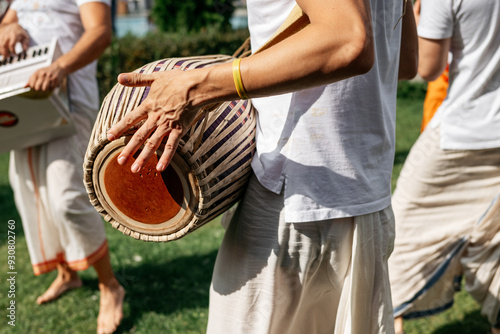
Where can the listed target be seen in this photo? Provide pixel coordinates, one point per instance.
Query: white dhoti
(447, 211)
(60, 224)
(315, 277)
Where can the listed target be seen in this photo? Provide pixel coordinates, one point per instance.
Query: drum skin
(205, 178)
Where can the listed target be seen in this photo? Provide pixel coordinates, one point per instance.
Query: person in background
(446, 201)
(436, 89)
(63, 231)
(307, 248)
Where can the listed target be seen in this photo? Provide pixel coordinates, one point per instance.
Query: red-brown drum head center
(149, 197)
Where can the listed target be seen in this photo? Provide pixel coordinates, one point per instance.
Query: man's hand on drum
(10, 35)
(167, 113)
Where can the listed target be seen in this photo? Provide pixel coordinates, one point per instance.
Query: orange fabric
(45, 267)
(83, 264)
(436, 93)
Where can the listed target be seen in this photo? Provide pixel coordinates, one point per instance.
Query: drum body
(205, 178)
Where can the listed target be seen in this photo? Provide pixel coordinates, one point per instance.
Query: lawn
(167, 284)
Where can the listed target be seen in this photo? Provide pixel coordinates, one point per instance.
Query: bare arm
(96, 20)
(12, 33)
(337, 44)
(408, 58)
(433, 57)
(433, 53)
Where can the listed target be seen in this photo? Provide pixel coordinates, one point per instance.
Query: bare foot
(111, 307)
(66, 280)
(398, 325)
(495, 330)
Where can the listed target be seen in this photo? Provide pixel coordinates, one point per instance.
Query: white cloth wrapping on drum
(313, 277)
(59, 222)
(447, 211)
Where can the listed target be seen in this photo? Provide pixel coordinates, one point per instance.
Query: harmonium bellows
(29, 118)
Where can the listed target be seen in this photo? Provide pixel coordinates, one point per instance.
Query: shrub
(414, 90)
(192, 15)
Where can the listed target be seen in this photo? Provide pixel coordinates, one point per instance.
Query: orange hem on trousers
(83, 264)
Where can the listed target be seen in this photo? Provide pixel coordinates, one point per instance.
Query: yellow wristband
(237, 80)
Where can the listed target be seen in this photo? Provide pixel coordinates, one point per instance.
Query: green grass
(408, 120)
(167, 284)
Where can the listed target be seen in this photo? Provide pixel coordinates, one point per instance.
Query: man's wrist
(210, 85)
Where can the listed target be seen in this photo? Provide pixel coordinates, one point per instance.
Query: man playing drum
(62, 229)
(307, 249)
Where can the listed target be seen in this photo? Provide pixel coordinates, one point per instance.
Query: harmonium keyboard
(29, 118)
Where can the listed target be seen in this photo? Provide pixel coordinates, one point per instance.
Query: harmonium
(29, 118)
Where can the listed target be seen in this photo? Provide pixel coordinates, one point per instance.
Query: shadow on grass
(165, 287)
(471, 323)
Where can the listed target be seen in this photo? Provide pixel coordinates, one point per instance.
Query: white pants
(59, 222)
(316, 277)
(447, 209)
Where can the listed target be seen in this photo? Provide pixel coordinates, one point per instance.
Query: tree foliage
(192, 15)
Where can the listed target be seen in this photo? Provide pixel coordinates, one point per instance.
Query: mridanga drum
(205, 178)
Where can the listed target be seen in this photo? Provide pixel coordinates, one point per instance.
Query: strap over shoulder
(295, 22)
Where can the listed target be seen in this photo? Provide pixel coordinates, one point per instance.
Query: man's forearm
(96, 21)
(88, 48)
(337, 44)
(433, 57)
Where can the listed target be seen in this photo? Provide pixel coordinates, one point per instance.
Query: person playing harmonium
(62, 229)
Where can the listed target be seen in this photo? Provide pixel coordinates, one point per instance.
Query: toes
(46, 297)
(56, 290)
(118, 316)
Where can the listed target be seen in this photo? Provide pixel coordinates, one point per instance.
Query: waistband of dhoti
(82, 264)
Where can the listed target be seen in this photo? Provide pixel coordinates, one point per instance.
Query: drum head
(148, 202)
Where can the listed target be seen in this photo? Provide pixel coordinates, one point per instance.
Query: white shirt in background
(469, 117)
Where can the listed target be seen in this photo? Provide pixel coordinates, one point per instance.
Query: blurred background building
(132, 16)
